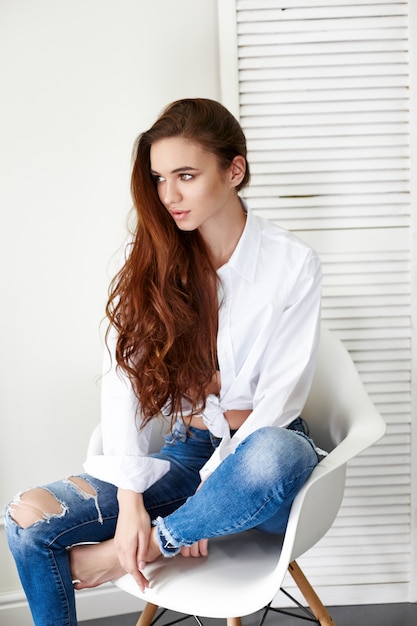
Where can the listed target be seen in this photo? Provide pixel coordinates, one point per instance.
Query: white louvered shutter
(323, 98)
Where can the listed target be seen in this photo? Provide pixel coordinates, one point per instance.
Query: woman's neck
(222, 238)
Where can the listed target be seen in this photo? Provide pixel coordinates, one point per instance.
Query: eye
(186, 176)
(158, 179)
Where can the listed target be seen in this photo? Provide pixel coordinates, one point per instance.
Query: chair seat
(240, 575)
(244, 572)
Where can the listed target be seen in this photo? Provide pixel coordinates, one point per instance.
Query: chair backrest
(343, 421)
(338, 402)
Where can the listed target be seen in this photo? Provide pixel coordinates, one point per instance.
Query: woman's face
(190, 183)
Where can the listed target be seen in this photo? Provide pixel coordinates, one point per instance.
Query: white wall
(79, 80)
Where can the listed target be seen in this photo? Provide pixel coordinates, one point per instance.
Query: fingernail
(142, 564)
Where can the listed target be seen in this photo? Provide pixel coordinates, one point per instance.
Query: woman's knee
(34, 506)
(40, 504)
(269, 442)
(273, 449)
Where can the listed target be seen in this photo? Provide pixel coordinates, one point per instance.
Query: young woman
(214, 322)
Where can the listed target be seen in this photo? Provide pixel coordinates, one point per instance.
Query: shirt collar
(245, 256)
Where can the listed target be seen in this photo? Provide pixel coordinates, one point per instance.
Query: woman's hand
(132, 535)
(199, 548)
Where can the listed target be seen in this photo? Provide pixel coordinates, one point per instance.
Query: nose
(170, 193)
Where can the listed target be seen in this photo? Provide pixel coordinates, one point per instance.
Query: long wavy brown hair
(163, 303)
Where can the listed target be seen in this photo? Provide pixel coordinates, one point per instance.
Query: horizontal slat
(364, 342)
(388, 368)
(337, 279)
(325, 188)
(346, 118)
(379, 531)
(321, 49)
(323, 167)
(256, 117)
(390, 446)
(353, 329)
(385, 565)
(268, 180)
(383, 550)
(400, 479)
(322, 225)
(381, 492)
(268, 140)
(375, 261)
(396, 414)
(316, 61)
(381, 501)
(307, 223)
(388, 535)
(339, 577)
(401, 287)
(317, 72)
(330, 201)
(368, 355)
(330, 12)
(348, 558)
(244, 5)
(394, 429)
(248, 25)
(347, 523)
(376, 464)
(363, 311)
(374, 33)
(352, 82)
(324, 115)
(323, 95)
(369, 138)
(355, 574)
(355, 239)
(372, 514)
(388, 377)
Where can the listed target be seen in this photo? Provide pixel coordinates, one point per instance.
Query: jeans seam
(64, 598)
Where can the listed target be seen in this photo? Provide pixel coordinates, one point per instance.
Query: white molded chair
(244, 572)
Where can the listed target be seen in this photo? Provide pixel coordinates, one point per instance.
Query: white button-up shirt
(269, 320)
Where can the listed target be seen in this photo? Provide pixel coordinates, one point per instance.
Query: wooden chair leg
(150, 609)
(314, 602)
(147, 614)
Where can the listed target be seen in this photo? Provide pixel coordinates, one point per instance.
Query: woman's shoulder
(279, 241)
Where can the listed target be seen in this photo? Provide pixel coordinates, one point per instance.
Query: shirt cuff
(137, 473)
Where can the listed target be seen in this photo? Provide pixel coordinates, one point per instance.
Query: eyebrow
(183, 168)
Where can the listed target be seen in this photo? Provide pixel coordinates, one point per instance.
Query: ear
(237, 170)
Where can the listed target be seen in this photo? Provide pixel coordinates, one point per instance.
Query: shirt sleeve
(125, 461)
(288, 362)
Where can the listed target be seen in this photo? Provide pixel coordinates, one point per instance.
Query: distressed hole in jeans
(35, 505)
(83, 485)
(86, 491)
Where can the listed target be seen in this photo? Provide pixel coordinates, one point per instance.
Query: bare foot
(93, 565)
(154, 551)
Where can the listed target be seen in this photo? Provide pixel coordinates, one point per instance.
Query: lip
(179, 215)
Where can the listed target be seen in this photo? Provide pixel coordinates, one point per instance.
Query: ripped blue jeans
(253, 488)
